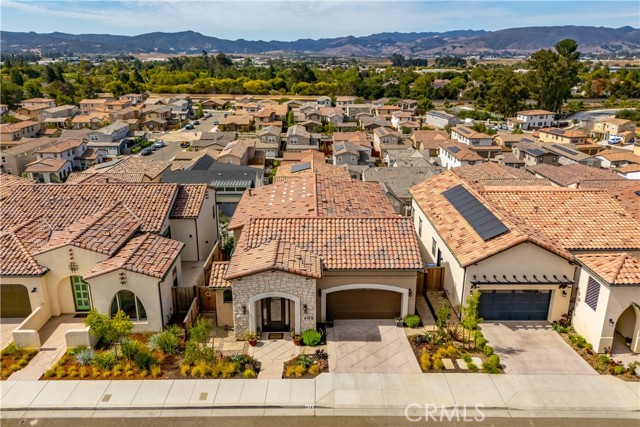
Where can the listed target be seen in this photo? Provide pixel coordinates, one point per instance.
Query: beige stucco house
(522, 246)
(107, 245)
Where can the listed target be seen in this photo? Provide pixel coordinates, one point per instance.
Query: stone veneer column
(273, 281)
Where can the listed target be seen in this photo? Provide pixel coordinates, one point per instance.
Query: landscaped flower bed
(15, 358)
(307, 365)
(121, 355)
(602, 363)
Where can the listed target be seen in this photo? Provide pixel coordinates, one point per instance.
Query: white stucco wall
(184, 230)
(612, 302)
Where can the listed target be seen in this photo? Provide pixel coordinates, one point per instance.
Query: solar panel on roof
(454, 149)
(557, 131)
(536, 152)
(301, 167)
(339, 147)
(637, 193)
(565, 149)
(463, 130)
(475, 213)
(229, 146)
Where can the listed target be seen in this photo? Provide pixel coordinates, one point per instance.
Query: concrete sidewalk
(329, 394)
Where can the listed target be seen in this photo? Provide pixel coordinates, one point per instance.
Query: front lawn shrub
(229, 369)
(481, 342)
(618, 370)
(185, 370)
(130, 348)
(467, 358)
(290, 371)
(451, 351)
(249, 374)
(175, 330)
(304, 360)
(314, 369)
(77, 349)
(145, 360)
(322, 355)
(156, 371)
(412, 320)
(85, 356)
(492, 364)
(60, 373)
(472, 367)
(83, 372)
(488, 350)
(438, 364)
(164, 341)
(425, 361)
(299, 370)
(311, 337)
(104, 360)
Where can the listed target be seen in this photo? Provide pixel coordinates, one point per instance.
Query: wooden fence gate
(182, 298)
(434, 278)
(207, 299)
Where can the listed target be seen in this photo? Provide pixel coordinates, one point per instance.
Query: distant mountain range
(514, 41)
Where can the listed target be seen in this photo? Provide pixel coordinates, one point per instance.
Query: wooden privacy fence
(182, 298)
(192, 315)
(433, 278)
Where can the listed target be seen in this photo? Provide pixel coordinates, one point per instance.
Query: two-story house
(87, 105)
(343, 101)
(299, 139)
(38, 102)
(533, 154)
(323, 101)
(237, 152)
(454, 155)
(466, 135)
(625, 129)
(110, 138)
(563, 136)
(531, 119)
(440, 119)
(15, 131)
(269, 140)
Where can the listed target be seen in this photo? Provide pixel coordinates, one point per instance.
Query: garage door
(363, 304)
(514, 305)
(14, 301)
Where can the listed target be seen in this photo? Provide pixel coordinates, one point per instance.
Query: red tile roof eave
(271, 268)
(602, 280)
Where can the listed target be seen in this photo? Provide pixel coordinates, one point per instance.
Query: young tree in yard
(443, 314)
(471, 314)
(107, 329)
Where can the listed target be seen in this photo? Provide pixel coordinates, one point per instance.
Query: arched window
(130, 304)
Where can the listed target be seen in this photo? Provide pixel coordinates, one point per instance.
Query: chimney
(250, 192)
(578, 184)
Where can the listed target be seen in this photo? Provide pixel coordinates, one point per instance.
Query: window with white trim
(128, 302)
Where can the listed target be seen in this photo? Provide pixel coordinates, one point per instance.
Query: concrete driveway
(7, 326)
(369, 346)
(533, 348)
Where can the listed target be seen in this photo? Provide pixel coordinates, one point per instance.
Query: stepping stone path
(477, 361)
(448, 364)
(462, 364)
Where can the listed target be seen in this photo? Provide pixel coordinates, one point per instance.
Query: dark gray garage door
(514, 305)
(14, 301)
(363, 304)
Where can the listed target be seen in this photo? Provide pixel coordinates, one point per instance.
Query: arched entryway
(273, 312)
(627, 330)
(14, 301)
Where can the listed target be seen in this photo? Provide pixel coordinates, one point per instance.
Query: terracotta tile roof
(137, 165)
(459, 236)
(15, 259)
(630, 198)
(189, 201)
(342, 243)
(273, 255)
(469, 132)
(61, 205)
(631, 167)
(218, 271)
(46, 165)
(33, 234)
(104, 232)
(312, 196)
(534, 113)
(317, 165)
(237, 148)
(103, 178)
(147, 254)
(67, 144)
(490, 174)
(463, 152)
(616, 121)
(613, 268)
(14, 127)
(576, 219)
(571, 174)
(568, 133)
(616, 156)
(9, 182)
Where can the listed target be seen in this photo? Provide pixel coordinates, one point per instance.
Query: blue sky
(269, 20)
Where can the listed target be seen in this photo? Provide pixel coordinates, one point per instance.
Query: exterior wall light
(244, 310)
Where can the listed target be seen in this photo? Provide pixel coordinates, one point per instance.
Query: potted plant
(252, 338)
(297, 339)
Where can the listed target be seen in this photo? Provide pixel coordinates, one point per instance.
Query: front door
(80, 291)
(275, 314)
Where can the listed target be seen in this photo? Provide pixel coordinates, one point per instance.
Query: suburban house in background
(440, 119)
(531, 119)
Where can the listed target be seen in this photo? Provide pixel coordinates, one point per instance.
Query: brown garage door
(14, 301)
(363, 304)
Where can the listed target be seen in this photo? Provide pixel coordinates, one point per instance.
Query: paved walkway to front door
(533, 348)
(272, 353)
(369, 346)
(7, 326)
(53, 346)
